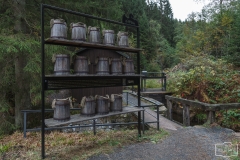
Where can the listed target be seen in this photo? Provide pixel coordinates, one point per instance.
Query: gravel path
(190, 143)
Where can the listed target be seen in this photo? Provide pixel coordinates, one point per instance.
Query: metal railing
(26, 112)
(154, 104)
(154, 75)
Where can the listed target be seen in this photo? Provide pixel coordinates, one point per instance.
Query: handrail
(153, 75)
(210, 108)
(205, 106)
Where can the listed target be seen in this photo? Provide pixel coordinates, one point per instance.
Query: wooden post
(211, 117)
(186, 115)
(169, 108)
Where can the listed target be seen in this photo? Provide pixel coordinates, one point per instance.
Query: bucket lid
(121, 33)
(102, 97)
(107, 31)
(93, 28)
(78, 24)
(57, 21)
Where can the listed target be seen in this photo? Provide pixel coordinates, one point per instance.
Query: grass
(72, 146)
(153, 83)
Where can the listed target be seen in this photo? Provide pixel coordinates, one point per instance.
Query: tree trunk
(22, 90)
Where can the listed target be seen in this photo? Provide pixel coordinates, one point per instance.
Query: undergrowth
(72, 145)
(208, 80)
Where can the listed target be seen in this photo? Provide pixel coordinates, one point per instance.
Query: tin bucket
(78, 31)
(94, 35)
(122, 39)
(58, 29)
(81, 65)
(116, 66)
(128, 67)
(108, 37)
(88, 105)
(62, 64)
(102, 65)
(102, 105)
(116, 103)
(61, 110)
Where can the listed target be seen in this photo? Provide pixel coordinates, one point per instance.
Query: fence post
(169, 108)
(165, 83)
(211, 117)
(186, 115)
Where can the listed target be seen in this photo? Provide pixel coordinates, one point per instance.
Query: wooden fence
(210, 108)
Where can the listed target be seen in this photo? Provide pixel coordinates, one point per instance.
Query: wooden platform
(74, 119)
(89, 45)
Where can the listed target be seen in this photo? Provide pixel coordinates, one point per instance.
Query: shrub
(206, 80)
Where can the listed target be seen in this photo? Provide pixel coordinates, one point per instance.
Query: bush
(206, 80)
(211, 81)
(153, 83)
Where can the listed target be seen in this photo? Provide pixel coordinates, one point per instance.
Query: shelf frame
(43, 42)
(83, 44)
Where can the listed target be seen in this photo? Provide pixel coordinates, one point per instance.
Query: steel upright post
(138, 70)
(43, 79)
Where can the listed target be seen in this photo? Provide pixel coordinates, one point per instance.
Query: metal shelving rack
(52, 82)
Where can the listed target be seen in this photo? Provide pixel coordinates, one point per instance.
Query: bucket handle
(107, 97)
(89, 28)
(53, 58)
(71, 25)
(82, 104)
(55, 100)
(51, 23)
(103, 32)
(112, 99)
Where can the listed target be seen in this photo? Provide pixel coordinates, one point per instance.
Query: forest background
(200, 55)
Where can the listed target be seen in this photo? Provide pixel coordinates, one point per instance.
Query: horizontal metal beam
(86, 15)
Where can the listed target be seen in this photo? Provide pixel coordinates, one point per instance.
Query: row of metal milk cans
(103, 65)
(90, 106)
(80, 32)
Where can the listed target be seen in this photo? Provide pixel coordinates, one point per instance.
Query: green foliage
(206, 80)
(153, 83)
(231, 119)
(201, 117)
(4, 148)
(155, 137)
